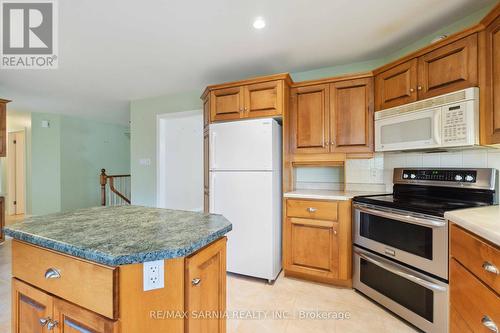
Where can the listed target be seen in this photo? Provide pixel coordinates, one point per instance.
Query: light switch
(45, 124)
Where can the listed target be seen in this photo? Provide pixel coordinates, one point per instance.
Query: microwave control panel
(454, 124)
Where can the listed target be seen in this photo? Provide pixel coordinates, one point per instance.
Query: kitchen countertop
(483, 221)
(120, 235)
(326, 194)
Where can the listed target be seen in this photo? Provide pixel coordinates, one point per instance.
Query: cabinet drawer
(474, 302)
(312, 209)
(477, 256)
(89, 285)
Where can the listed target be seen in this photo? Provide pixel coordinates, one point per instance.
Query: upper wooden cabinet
(351, 115)
(259, 97)
(309, 119)
(490, 88)
(397, 85)
(3, 127)
(332, 117)
(443, 69)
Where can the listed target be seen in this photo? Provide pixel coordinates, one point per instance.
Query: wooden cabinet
(2, 218)
(317, 240)
(474, 282)
(351, 115)
(448, 68)
(3, 127)
(206, 289)
(490, 89)
(206, 111)
(31, 308)
(37, 311)
(332, 117)
(226, 104)
(440, 70)
(253, 98)
(309, 119)
(396, 86)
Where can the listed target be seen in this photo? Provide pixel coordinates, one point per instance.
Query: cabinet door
(309, 119)
(312, 247)
(448, 68)
(226, 104)
(351, 116)
(206, 288)
(206, 171)
(73, 319)
(3, 128)
(264, 99)
(490, 117)
(31, 308)
(396, 86)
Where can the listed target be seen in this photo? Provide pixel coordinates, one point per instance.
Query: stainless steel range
(401, 240)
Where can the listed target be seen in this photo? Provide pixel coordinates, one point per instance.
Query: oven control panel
(461, 176)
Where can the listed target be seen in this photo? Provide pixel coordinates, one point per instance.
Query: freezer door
(245, 145)
(248, 201)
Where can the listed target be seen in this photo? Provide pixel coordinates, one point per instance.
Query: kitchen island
(84, 271)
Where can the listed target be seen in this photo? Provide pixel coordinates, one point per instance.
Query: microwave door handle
(395, 270)
(437, 125)
(426, 222)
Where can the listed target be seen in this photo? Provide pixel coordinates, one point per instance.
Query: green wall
(143, 112)
(66, 159)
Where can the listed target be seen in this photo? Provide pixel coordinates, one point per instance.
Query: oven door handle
(395, 270)
(427, 222)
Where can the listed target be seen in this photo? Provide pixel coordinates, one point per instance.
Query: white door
(180, 161)
(245, 199)
(242, 145)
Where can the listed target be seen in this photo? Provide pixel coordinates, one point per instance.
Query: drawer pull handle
(43, 321)
(489, 324)
(52, 324)
(196, 282)
(52, 273)
(490, 268)
(311, 209)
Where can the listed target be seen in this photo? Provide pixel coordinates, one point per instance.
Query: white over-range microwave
(446, 121)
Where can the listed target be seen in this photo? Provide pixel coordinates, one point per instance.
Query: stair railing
(115, 189)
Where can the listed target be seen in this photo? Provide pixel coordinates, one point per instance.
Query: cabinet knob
(489, 324)
(489, 267)
(52, 273)
(412, 90)
(334, 232)
(43, 321)
(419, 87)
(52, 324)
(196, 282)
(311, 209)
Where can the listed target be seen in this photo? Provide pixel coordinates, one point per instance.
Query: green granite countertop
(122, 235)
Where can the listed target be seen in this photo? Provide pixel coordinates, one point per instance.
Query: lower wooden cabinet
(474, 283)
(206, 289)
(36, 311)
(317, 240)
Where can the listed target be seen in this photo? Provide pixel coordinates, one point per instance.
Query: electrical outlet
(153, 275)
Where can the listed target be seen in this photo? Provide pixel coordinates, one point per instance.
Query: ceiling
(114, 51)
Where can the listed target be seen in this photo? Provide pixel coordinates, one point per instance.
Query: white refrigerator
(245, 187)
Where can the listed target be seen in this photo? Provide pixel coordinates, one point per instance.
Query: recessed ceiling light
(259, 23)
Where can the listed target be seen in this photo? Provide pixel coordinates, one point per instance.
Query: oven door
(416, 297)
(412, 130)
(417, 240)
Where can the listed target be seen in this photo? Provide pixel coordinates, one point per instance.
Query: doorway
(180, 160)
(16, 175)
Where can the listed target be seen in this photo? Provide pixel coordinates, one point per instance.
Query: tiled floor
(249, 299)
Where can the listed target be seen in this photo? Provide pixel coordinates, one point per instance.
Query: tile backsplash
(376, 174)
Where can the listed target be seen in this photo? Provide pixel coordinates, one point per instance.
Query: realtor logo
(29, 34)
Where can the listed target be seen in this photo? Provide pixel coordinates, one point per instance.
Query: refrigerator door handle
(212, 153)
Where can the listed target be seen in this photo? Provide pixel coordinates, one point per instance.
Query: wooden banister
(110, 179)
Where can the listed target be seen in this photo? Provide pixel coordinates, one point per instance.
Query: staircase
(115, 189)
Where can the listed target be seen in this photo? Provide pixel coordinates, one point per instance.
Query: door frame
(161, 149)
(10, 209)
